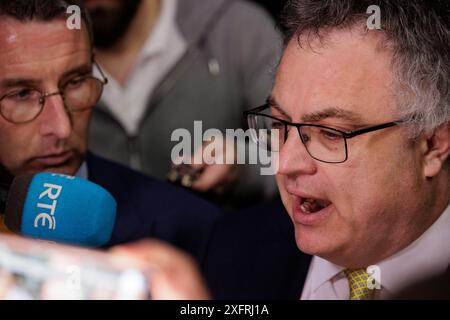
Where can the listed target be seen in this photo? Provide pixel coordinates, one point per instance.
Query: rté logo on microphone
(48, 200)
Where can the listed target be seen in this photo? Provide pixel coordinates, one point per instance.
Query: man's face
(111, 19)
(373, 200)
(43, 55)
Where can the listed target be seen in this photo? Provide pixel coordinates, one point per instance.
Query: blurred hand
(216, 177)
(172, 274)
(210, 176)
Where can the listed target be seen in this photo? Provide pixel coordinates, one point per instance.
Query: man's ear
(437, 150)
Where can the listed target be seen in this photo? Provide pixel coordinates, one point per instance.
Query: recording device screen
(39, 270)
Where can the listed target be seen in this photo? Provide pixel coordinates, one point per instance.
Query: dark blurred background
(273, 6)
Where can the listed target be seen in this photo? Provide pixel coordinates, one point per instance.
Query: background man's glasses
(323, 143)
(26, 104)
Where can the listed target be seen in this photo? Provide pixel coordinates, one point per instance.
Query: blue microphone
(60, 208)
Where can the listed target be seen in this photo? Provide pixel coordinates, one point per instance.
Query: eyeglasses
(26, 104)
(322, 143)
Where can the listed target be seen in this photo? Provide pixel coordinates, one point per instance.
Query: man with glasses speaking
(49, 84)
(359, 118)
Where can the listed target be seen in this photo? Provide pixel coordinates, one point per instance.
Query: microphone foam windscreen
(63, 209)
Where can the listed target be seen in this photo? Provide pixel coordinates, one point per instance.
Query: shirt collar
(83, 171)
(427, 256)
(323, 271)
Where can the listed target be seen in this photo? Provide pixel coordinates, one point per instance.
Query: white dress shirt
(82, 171)
(427, 256)
(163, 48)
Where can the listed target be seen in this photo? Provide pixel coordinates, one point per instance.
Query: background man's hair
(417, 31)
(43, 10)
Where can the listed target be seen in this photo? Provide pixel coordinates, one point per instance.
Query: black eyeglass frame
(345, 135)
(45, 95)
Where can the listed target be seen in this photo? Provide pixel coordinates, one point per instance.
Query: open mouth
(310, 211)
(310, 205)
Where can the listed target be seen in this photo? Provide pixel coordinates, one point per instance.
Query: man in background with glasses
(49, 84)
(359, 119)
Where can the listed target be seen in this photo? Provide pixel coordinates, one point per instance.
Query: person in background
(47, 91)
(171, 63)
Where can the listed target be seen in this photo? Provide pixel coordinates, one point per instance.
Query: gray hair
(417, 31)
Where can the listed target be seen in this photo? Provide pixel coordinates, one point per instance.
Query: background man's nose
(55, 120)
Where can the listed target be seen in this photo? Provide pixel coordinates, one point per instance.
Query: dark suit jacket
(150, 208)
(253, 255)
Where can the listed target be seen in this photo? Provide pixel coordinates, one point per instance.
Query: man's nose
(55, 120)
(294, 159)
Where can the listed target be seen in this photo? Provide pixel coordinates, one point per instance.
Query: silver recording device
(39, 270)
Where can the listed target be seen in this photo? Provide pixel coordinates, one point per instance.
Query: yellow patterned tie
(357, 280)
